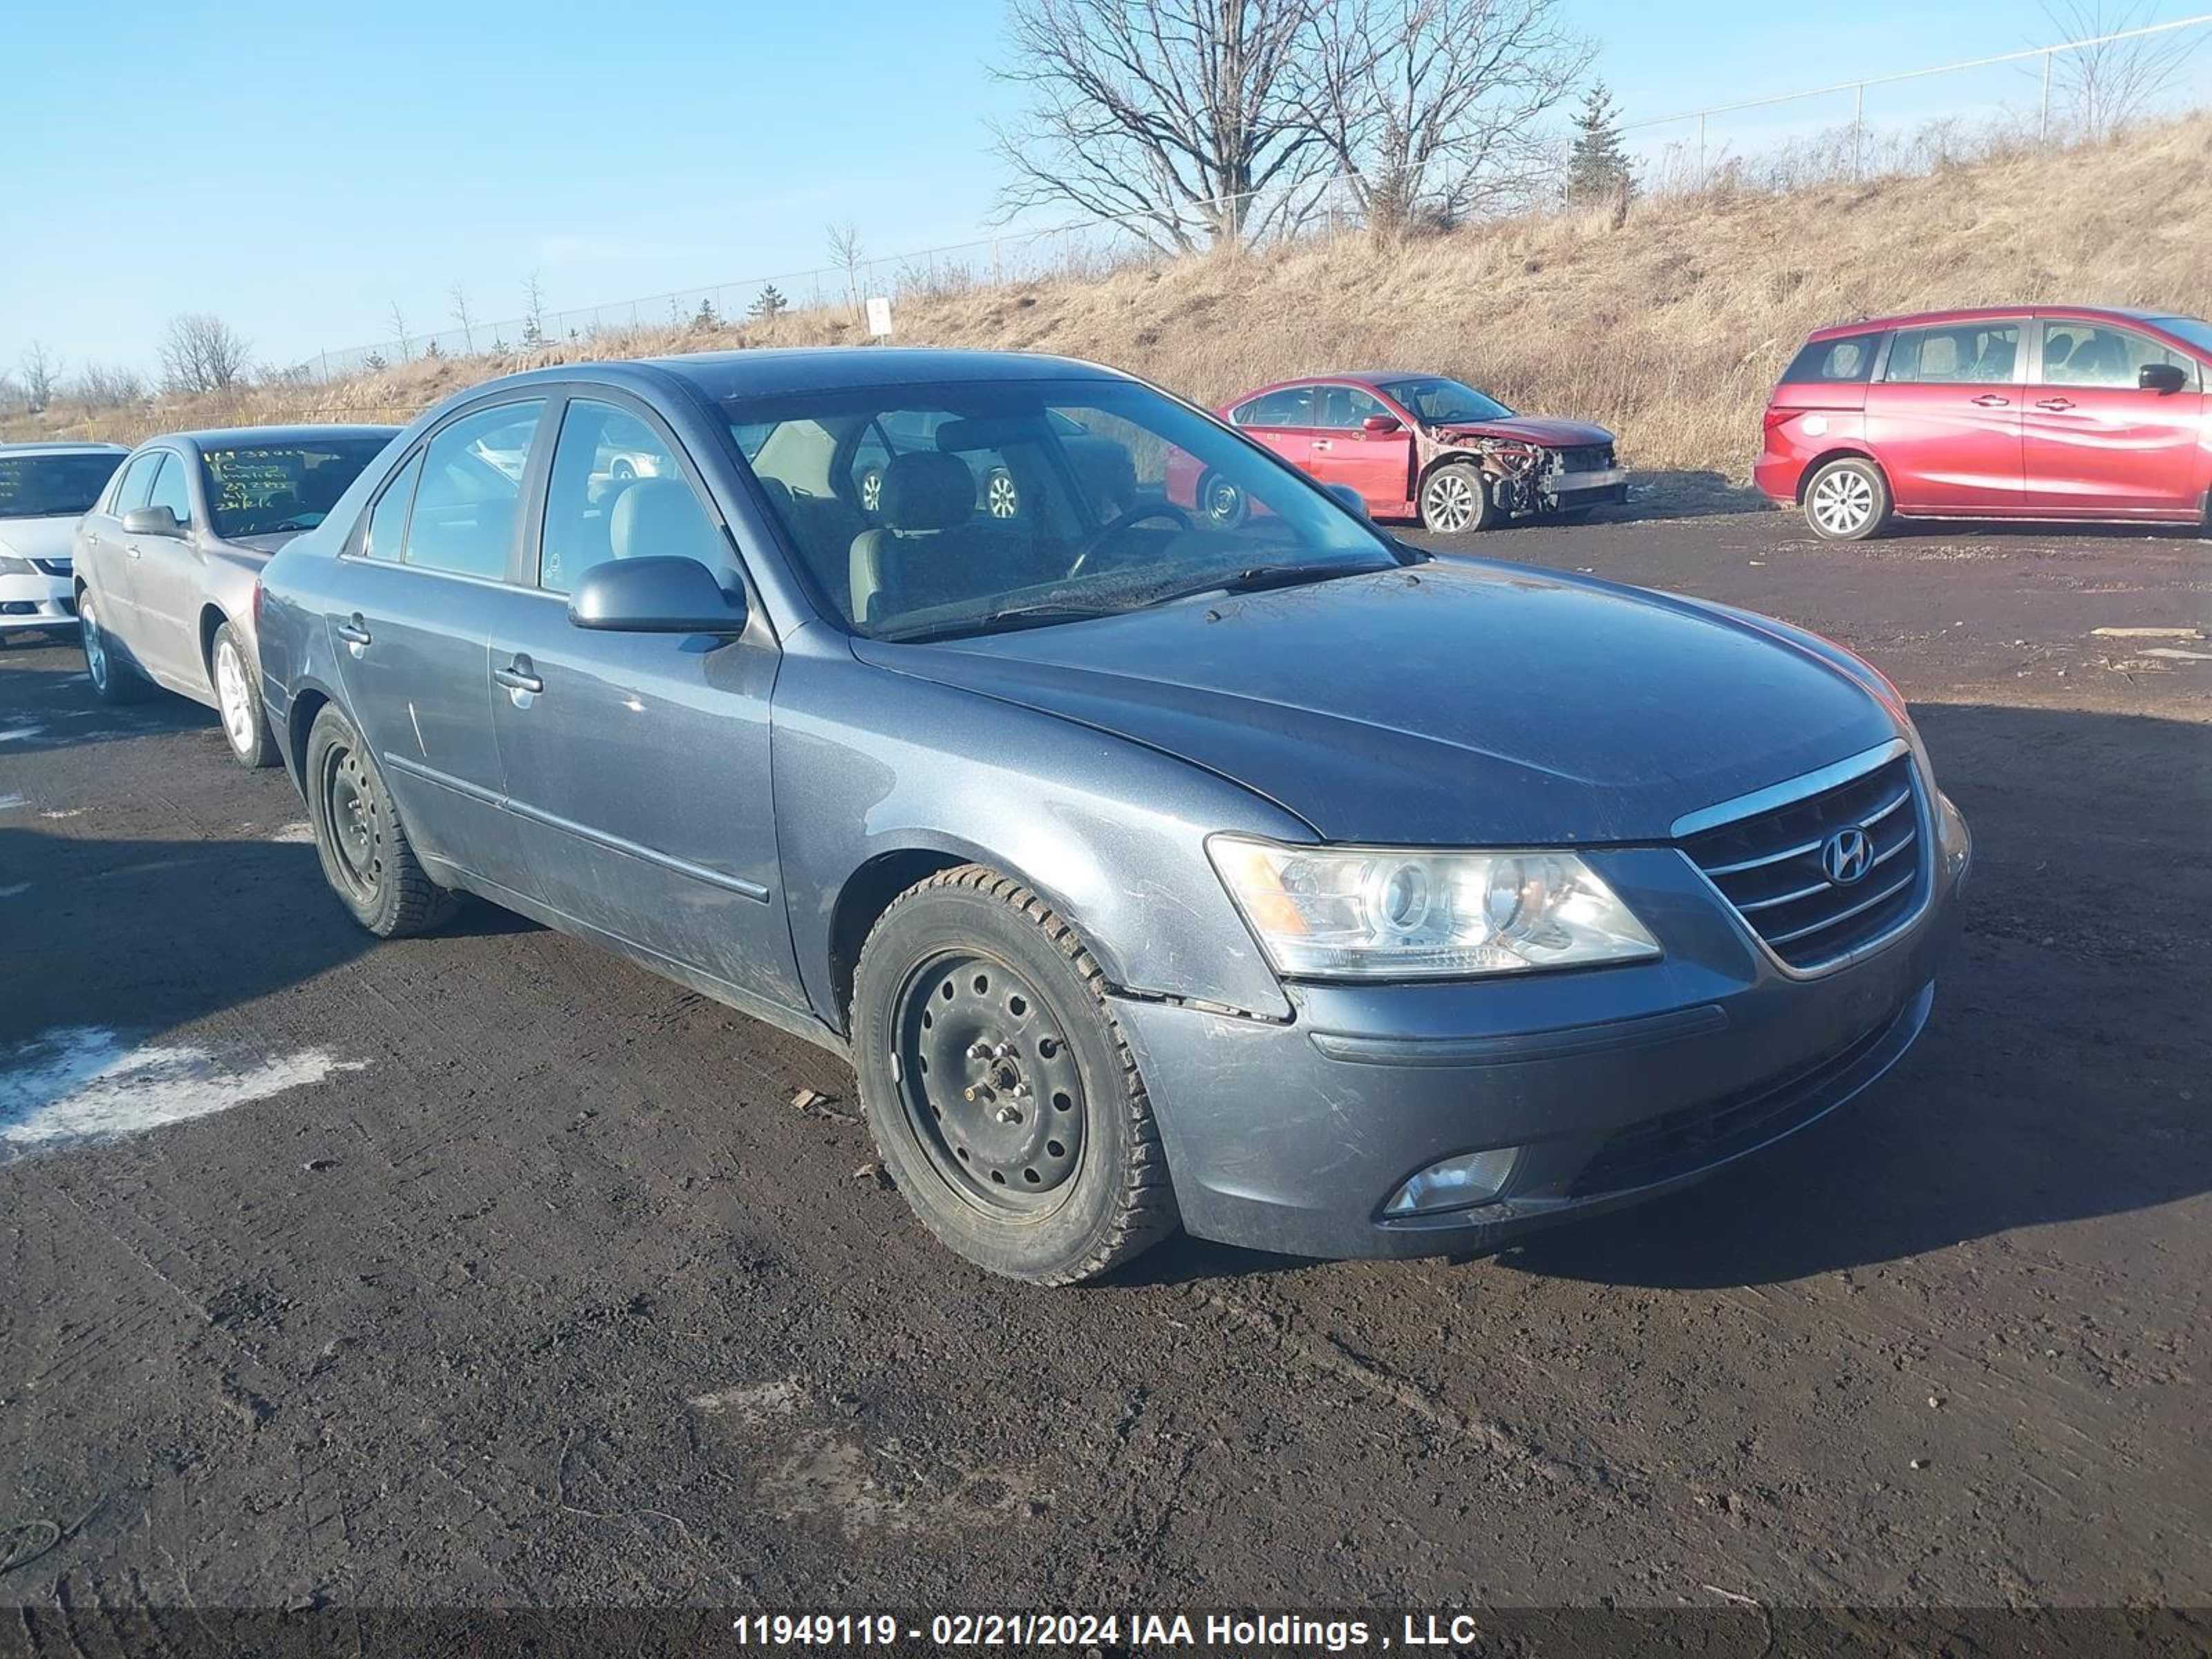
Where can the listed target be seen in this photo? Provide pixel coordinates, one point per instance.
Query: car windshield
(52, 486)
(264, 488)
(930, 511)
(1439, 402)
(2195, 329)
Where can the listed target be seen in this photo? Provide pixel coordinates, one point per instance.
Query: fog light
(1455, 1183)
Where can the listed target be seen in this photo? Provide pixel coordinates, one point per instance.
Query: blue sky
(297, 169)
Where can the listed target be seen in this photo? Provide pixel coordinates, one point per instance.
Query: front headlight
(12, 566)
(1385, 913)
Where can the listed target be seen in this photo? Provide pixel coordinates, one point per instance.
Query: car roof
(85, 447)
(1985, 313)
(1368, 379)
(769, 370)
(247, 437)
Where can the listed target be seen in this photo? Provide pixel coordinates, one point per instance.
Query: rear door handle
(517, 676)
(2054, 403)
(1321, 443)
(354, 631)
(1990, 400)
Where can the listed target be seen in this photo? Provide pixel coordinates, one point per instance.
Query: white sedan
(44, 490)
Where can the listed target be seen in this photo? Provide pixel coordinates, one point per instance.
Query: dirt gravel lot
(485, 1268)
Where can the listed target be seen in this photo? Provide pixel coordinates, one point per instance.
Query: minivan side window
(387, 519)
(171, 490)
(1834, 362)
(1966, 353)
(471, 492)
(617, 492)
(2089, 353)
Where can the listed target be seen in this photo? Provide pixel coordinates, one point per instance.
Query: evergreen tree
(770, 305)
(1598, 167)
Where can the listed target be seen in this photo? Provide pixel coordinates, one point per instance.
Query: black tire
(1456, 498)
(368, 863)
(113, 680)
(1221, 505)
(258, 748)
(1072, 1183)
(1847, 500)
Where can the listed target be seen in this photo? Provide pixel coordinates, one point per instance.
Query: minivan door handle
(1990, 400)
(354, 631)
(517, 676)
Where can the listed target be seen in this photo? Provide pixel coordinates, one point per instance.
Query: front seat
(924, 491)
(660, 517)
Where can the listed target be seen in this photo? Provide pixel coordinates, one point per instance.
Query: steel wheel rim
(355, 821)
(1449, 502)
(988, 1084)
(230, 691)
(999, 498)
(1222, 502)
(95, 648)
(1843, 502)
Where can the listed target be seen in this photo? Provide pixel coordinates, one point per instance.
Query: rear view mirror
(161, 521)
(671, 595)
(1380, 425)
(2162, 377)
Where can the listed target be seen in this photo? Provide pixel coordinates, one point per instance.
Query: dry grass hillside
(1668, 327)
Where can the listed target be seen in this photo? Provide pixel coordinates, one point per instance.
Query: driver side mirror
(1380, 426)
(2162, 378)
(158, 521)
(657, 595)
(1348, 498)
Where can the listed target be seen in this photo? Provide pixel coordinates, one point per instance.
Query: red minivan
(2009, 412)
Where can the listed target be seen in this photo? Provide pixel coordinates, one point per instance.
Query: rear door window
(1293, 405)
(1971, 354)
(471, 493)
(1841, 361)
(387, 519)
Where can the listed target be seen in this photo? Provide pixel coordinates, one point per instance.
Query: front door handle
(2054, 403)
(517, 676)
(131, 548)
(354, 631)
(1321, 443)
(1990, 400)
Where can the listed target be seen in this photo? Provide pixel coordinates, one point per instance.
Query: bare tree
(42, 372)
(460, 300)
(533, 320)
(399, 329)
(200, 352)
(2107, 86)
(1174, 116)
(1433, 110)
(846, 254)
(99, 385)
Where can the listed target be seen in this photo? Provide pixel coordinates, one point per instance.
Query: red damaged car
(1422, 446)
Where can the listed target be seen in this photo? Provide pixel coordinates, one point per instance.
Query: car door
(99, 558)
(1378, 465)
(425, 576)
(1944, 417)
(2096, 440)
(637, 764)
(1283, 421)
(165, 576)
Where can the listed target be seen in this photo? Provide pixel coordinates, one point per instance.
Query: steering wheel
(1119, 522)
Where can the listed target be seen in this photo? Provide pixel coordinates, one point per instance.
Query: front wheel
(1221, 504)
(1457, 497)
(112, 680)
(1847, 500)
(1006, 1104)
(362, 843)
(238, 698)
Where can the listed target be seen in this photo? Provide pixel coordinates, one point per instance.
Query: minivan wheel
(1456, 497)
(238, 700)
(358, 836)
(112, 680)
(1847, 500)
(1004, 1102)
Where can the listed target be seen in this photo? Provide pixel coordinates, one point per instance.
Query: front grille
(1675, 1143)
(1769, 866)
(53, 567)
(1586, 458)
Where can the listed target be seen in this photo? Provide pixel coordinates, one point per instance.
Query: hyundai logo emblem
(1847, 855)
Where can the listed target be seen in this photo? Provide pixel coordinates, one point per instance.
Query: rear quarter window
(1845, 361)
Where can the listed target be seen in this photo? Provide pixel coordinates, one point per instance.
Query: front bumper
(1617, 1084)
(35, 601)
(1571, 490)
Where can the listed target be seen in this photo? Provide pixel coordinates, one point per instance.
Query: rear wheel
(1456, 497)
(112, 680)
(363, 847)
(1006, 1104)
(1847, 500)
(238, 699)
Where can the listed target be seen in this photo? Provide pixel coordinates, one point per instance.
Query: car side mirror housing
(151, 521)
(657, 595)
(2162, 378)
(1348, 498)
(1381, 426)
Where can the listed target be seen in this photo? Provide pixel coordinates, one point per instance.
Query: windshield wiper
(1255, 578)
(1020, 616)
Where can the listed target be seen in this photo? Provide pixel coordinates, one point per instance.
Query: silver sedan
(166, 560)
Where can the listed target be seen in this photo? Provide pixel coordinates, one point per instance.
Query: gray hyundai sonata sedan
(1275, 880)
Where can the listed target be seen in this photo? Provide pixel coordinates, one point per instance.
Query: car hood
(38, 539)
(1530, 428)
(1451, 702)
